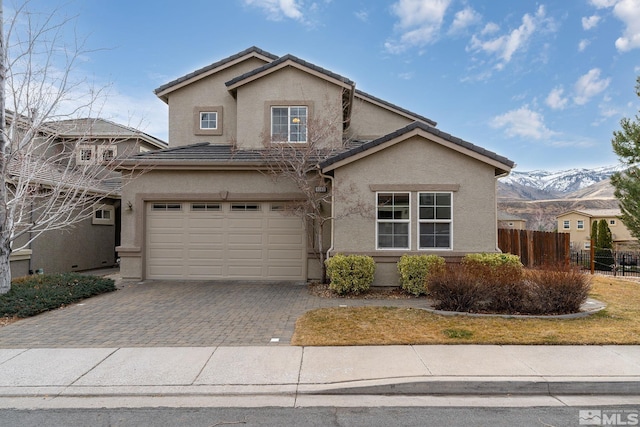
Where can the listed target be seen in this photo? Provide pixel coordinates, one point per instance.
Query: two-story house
(91, 243)
(209, 208)
(578, 223)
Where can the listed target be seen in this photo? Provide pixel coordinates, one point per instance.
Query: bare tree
(299, 163)
(48, 183)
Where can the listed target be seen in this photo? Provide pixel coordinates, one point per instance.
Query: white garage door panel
(200, 245)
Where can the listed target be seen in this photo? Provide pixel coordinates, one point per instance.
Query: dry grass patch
(619, 323)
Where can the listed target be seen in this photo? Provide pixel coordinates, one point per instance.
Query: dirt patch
(4, 321)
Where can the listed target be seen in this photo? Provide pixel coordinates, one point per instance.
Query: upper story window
(86, 154)
(580, 225)
(435, 220)
(566, 224)
(392, 220)
(107, 153)
(208, 120)
(289, 124)
(612, 222)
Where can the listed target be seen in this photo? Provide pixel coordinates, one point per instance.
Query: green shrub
(350, 274)
(35, 294)
(603, 259)
(415, 270)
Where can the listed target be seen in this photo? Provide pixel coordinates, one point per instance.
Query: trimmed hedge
(350, 274)
(415, 270)
(31, 295)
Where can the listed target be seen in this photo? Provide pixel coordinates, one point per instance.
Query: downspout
(502, 175)
(331, 238)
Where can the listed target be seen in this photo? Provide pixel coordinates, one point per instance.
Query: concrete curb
(483, 387)
(443, 386)
(591, 306)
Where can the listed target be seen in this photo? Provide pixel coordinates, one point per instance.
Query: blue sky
(544, 83)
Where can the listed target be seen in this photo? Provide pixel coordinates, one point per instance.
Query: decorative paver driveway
(170, 313)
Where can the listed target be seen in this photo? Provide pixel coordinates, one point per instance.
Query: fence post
(592, 256)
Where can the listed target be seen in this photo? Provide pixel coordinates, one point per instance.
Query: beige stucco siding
(210, 91)
(370, 121)
(186, 185)
(411, 162)
(288, 87)
(580, 238)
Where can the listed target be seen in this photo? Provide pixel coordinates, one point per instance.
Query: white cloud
(555, 100)
(628, 11)
(506, 45)
(600, 4)
(590, 22)
(490, 28)
(362, 15)
(583, 45)
(463, 19)
(589, 85)
(524, 123)
(277, 9)
(420, 23)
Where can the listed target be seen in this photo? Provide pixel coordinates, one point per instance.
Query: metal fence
(615, 263)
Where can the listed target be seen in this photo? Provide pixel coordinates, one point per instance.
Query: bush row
(31, 295)
(553, 290)
(482, 282)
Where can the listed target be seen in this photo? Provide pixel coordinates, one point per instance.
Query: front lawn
(619, 323)
(35, 294)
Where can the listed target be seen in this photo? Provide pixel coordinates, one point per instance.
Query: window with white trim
(580, 224)
(104, 215)
(208, 120)
(86, 154)
(435, 220)
(587, 245)
(612, 222)
(107, 153)
(289, 124)
(566, 224)
(393, 218)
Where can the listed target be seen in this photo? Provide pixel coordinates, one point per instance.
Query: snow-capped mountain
(541, 184)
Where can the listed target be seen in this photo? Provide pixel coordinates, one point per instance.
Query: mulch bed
(323, 291)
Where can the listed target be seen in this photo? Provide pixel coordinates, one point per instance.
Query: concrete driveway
(178, 314)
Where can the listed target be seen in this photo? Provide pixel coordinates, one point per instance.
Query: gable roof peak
(202, 72)
(289, 58)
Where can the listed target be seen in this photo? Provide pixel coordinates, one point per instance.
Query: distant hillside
(539, 196)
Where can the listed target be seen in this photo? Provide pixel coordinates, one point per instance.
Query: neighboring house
(91, 243)
(206, 208)
(578, 224)
(507, 220)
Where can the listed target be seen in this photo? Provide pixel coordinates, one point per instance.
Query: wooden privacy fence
(535, 248)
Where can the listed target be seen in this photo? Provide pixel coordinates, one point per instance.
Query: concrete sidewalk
(284, 375)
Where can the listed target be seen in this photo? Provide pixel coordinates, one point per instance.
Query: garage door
(225, 240)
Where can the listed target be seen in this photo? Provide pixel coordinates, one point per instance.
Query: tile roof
(97, 127)
(395, 107)
(292, 58)
(252, 49)
(418, 125)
